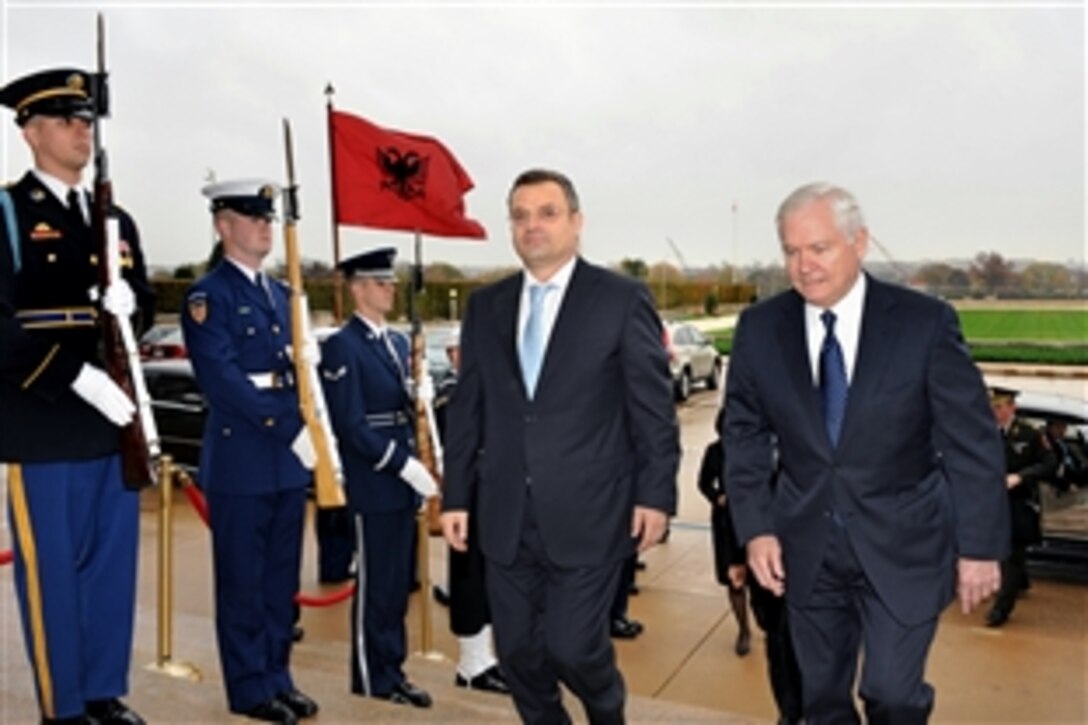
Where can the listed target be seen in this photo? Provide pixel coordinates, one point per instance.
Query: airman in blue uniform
(74, 525)
(365, 373)
(256, 457)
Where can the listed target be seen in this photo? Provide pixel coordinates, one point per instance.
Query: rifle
(428, 447)
(140, 438)
(328, 473)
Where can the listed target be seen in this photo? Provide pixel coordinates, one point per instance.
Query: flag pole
(338, 282)
(425, 449)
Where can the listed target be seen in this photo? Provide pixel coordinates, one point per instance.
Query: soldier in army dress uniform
(256, 457)
(1029, 459)
(75, 526)
(364, 369)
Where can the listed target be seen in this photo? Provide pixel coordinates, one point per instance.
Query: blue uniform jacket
(233, 331)
(368, 401)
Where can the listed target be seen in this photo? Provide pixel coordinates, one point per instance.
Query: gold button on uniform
(269, 422)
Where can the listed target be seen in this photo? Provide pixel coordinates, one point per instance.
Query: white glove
(119, 299)
(96, 387)
(425, 391)
(419, 478)
(311, 352)
(303, 448)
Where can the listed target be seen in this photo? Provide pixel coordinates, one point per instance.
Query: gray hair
(844, 207)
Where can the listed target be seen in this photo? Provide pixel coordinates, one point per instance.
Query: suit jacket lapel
(505, 309)
(579, 295)
(794, 340)
(876, 339)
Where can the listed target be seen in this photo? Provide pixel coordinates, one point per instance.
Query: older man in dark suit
(563, 427)
(891, 490)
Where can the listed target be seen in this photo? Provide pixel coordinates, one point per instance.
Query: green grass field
(1051, 326)
(1025, 335)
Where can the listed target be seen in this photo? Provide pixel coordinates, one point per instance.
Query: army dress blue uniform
(364, 373)
(237, 331)
(74, 525)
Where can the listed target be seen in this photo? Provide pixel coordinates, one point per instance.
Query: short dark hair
(541, 176)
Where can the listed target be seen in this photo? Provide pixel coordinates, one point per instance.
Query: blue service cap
(251, 197)
(57, 92)
(376, 264)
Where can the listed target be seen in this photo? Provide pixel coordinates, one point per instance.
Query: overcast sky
(961, 128)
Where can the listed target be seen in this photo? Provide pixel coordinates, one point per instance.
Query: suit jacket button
(269, 422)
(528, 480)
(275, 329)
(226, 432)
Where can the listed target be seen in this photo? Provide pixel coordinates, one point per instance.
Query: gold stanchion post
(423, 570)
(164, 663)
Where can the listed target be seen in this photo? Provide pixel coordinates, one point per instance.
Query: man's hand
(648, 526)
(1013, 480)
(99, 390)
(455, 529)
(737, 573)
(765, 560)
(977, 579)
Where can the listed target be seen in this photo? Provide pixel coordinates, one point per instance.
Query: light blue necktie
(532, 339)
(833, 385)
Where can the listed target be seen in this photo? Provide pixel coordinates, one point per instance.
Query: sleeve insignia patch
(333, 375)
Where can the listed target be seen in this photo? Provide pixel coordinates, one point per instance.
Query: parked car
(692, 359)
(178, 407)
(163, 342)
(1064, 501)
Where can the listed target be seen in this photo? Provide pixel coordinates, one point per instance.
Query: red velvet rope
(6, 557)
(196, 498)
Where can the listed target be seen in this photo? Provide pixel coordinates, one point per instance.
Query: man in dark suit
(75, 527)
(256, 457)
(365, 372)
(563, 437)
(891, 495)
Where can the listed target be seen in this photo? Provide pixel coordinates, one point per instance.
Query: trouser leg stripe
(360, 614)
(24, 532)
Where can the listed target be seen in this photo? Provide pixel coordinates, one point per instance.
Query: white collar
(249, 272)
(558, 281)
(58, 188)
(378, 330)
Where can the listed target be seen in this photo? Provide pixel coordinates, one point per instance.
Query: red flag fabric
(393, 180)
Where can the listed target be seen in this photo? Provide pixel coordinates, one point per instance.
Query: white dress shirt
(60, 190)
(848, 314)
(550, 306)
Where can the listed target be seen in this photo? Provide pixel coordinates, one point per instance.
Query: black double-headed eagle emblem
(405, 173)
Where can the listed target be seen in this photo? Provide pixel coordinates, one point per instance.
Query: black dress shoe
(744, 643)
(405, 693)
(298, 703)
(490, 680)
(624, 628)
(441, 595)
(112, 712)
(272, 711)
(996, 617)
(297, 633)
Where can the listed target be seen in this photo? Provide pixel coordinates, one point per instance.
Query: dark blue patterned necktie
(833, 385)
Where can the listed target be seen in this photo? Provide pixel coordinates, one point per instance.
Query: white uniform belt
(386, 420)
(271, 381)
